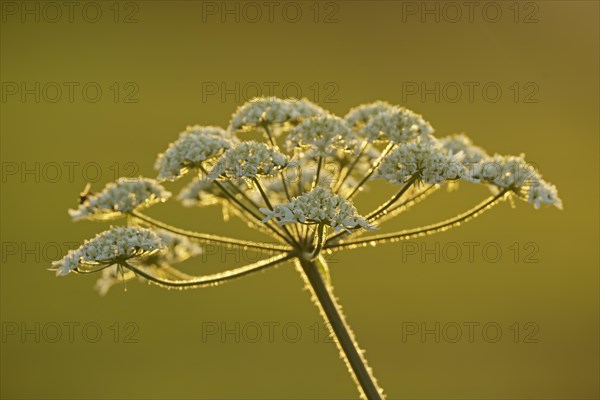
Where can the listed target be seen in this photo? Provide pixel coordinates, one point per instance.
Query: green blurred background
(161, 65)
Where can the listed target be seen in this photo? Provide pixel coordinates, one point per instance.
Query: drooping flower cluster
(119, 198)
(515, 174)
(249, 160)
(319, 206)
(115, 245)
(194, 146)
(540, 191)
(422, 159)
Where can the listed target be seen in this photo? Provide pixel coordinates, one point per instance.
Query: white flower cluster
(506, 172)
(176, 249)
(194, 146)
(120, 197)
(361, 115)
(514, 173)
(271, 110)
(316, 207)
(460, 142)
(423, 159)
(541, 191)
(248, 160)
(399, 125)
(323, 135)
(115, 245)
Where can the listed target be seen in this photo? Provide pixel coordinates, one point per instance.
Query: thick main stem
(357, 364)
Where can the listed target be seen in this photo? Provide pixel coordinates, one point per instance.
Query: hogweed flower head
(540, 191)
(119, 198)
(319, 206)
(195, 145)
(515, 174)
(323, 136)
(261, 111)
(461, 143)
(361, 115)
(398, 125)
(113, 246)
(248, 160)
(176, 249)
(424, 160)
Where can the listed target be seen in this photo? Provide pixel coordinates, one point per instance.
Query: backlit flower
(461, 143)
(398, 125)
(113, 246)
(194, 146)
(262, 111)
(120, 197)
(322, 135)
(515, 174)
(424, 160)
(316, 207)
(249, 160)
(359, 116)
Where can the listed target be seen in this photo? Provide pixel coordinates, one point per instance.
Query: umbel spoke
(214, 279)
(391, 212)
(422, 231)
(206, 238)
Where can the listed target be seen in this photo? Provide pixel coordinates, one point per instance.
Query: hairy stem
(320, 240)
(344, 338)
(412, 200)
(318, 173)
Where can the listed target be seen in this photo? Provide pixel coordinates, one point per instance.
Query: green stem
(320, 240)
(318, 173)
(346, 342)
(270, 135)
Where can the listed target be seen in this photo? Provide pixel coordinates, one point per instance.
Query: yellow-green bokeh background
(367, 54)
